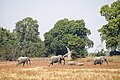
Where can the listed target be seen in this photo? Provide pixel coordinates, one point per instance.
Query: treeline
(24, 39)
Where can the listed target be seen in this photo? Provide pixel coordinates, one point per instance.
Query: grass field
(39, 70)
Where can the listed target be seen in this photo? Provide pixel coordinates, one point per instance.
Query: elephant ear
(28, 59)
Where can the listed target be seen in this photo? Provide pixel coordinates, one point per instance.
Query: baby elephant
(100, 60)
(23, 60)
(55, 59)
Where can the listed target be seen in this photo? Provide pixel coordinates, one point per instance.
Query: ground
(39, 70)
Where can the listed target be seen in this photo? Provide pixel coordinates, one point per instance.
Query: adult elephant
(23, 60)
(100, 60)
(55, 59)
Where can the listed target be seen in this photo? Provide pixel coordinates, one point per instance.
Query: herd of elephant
(58, 59)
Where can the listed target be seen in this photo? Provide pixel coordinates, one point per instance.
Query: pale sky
(48, 12)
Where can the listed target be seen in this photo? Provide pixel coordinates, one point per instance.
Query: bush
(114, 53)
(100, 54)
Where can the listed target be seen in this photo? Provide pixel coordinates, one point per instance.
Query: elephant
(100, 60)
(55, 59)
(23, 60)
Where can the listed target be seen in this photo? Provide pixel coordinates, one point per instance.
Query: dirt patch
(45, 62)
(39, 70)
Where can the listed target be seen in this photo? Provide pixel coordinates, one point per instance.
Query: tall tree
(28, 41)
(111, 31)
(68, 33)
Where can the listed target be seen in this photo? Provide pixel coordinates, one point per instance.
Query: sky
(48, 12)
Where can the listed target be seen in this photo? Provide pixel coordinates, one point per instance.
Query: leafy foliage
(6, 44)
(111, 31)
(23, 41)
(28, 41)
(68, 33)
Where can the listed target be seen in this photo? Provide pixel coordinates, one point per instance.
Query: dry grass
(40, 71)
(114, 59)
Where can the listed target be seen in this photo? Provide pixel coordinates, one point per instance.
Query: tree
(6, 44)
(111, 31)
(68, 33)
(28, 41)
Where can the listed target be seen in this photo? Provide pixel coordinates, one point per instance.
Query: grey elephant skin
(100, 60)
(23, 60)
(55, 59)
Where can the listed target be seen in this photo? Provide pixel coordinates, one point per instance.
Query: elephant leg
(23, 63)
(18, 63)
(96, 62)
(51, 62)
(27, 62)
(59, 61)
(64, 62)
